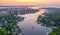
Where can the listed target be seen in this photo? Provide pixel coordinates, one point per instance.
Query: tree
(51, 20)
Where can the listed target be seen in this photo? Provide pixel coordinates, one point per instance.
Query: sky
(30, 2)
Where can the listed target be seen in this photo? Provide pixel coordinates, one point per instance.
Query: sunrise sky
(29, 2)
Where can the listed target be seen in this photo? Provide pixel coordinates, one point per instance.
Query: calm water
(29, 25)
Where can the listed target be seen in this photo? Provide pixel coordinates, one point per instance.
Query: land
(9, 19)
(51, 18)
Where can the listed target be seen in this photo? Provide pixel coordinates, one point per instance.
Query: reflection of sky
(30, 27)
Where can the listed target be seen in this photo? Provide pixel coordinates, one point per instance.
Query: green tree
(51, 20)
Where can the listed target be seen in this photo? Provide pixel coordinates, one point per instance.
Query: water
(29, 25)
